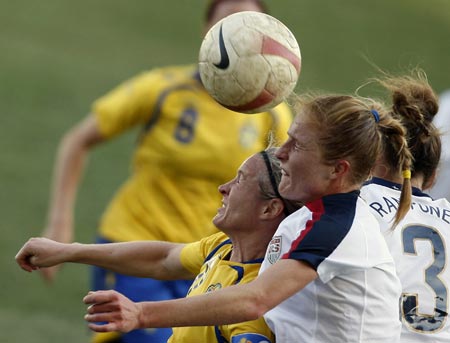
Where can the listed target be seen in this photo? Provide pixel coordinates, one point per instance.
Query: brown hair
(415, 103)
(351, 128)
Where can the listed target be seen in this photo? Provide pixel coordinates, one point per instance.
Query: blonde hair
(269, 180)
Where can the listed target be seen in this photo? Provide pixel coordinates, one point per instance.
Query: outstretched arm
(68, 169)
(233, 304)
(158, 260)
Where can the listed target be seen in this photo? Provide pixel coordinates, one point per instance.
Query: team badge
(250, 338)
(274, 250)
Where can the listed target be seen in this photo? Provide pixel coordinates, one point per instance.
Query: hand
(120, 313)
(62, 234)
(40, 252)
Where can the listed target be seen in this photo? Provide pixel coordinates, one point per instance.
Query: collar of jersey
(382, 182)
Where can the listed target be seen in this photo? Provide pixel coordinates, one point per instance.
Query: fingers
(109, 317)
(103, 327)
(103, 313)
(111, 307)
(23, 259)
(23, 262)
(27, 267)
(99, 297)
(101, 309)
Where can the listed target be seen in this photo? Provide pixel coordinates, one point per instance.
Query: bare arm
(230, 305)
(68, 169)
(159, 260)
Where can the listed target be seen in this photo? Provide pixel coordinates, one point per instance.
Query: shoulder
(333, 217)
(211, 245)
(194, 255)
(169, 75)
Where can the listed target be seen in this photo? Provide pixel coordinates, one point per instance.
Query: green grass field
(57, 56)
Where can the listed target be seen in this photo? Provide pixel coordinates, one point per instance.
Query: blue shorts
(140, 289)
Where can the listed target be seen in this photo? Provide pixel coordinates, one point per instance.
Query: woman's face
(305, 176)
(242, 199)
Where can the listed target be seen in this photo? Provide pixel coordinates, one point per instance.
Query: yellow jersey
(209, 259)
(187, 147)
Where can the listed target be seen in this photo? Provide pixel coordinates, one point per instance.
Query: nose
(223, 189)
(280, 153)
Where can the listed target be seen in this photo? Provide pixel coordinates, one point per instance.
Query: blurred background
(57, 56)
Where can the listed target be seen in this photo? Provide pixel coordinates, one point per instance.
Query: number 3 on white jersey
(426, 323)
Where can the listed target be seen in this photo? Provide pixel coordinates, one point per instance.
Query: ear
(273, 208)
(341, 169)
(381, 171)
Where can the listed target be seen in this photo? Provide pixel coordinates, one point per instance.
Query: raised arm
(158, 260)
(229, 305)
(68, 170)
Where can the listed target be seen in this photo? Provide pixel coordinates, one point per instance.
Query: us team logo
(274, 249)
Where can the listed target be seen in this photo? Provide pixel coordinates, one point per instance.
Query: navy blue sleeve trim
(212, 253)
(240, 272)
(331, 221)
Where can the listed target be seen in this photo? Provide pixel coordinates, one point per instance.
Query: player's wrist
(75, 252)
(142, 317)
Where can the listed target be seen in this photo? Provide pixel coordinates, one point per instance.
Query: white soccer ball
(249, 62)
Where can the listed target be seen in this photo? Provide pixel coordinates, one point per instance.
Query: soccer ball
(249, 62)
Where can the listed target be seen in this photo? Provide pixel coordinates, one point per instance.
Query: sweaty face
(305, 177)
(241, 198)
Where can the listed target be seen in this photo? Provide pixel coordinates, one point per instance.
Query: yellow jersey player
(252, 210)
(210, 258)
(187, 146)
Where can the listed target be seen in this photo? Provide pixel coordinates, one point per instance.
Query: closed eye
(239, 177)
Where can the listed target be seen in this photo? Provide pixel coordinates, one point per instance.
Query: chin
(283, 190)
(217, 220)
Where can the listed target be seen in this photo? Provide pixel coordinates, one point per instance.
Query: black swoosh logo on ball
(224, 60)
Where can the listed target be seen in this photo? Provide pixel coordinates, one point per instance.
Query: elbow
(72, 144)
(83, 136)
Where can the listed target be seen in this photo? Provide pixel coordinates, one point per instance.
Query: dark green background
(57, 56)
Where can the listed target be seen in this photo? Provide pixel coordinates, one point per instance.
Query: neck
(383, 171)
(342, 187)
(248, 246)
(416, 181)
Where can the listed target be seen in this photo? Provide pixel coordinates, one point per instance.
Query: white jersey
(441, 189)
(420, 245)
(355, 297)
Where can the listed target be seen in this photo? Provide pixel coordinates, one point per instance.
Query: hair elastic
(270, 172)
(375, 115)
(406, 174)
(273, 181)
